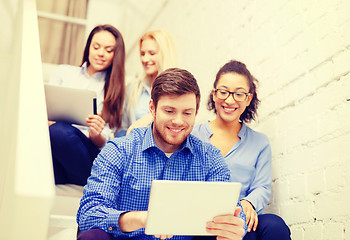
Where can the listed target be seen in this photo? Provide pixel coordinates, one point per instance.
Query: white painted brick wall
(313, 231)
(347, 229)
(333, 231)
(316, 182)
(300, 52)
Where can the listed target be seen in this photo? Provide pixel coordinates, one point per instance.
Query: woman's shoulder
(202, 130)
(256, 135)
(64, 73)
(67, 67)
(132, 84)
(201, 146)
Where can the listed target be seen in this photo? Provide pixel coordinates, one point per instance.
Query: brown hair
(234, 66)
(114, 87)
(175, 81)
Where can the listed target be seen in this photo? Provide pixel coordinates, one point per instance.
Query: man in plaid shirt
(115, 201)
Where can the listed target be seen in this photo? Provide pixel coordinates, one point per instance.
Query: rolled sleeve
(97, 207)
(243, 217)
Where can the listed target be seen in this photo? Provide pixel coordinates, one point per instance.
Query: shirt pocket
(194, 172)
(134, 193)
(136, 179)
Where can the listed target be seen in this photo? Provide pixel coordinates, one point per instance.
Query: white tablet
(70, 105)
(184, 207)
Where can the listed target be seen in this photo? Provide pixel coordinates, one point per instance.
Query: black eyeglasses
(237, 96)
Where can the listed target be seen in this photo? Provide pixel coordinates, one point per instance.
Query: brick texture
(300, 52)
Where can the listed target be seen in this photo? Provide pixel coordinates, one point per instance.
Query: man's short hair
(175, 81)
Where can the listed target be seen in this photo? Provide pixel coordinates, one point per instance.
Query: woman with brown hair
(74, 147)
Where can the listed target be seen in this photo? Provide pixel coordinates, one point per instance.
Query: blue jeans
(94, 234)
(270, 227)
(72, 154)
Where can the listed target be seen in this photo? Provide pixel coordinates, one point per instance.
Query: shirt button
(168, 165)
(110, 228)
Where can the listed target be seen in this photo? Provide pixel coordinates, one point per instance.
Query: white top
(77, 77)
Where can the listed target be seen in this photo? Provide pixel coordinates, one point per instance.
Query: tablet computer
(70, 105)
(184, 207)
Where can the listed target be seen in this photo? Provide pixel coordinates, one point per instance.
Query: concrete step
(63, 224)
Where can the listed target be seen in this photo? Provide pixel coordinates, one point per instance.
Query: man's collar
(149, 141)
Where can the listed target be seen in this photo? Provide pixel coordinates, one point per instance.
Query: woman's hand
(96, 124)
(142, 122)
(251, 215)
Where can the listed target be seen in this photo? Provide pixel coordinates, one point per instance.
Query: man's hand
(132, 221)
(142, 122)
(163, 236)
(251, 215)
(227, 226)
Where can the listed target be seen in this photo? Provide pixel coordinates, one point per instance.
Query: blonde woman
(157, 53)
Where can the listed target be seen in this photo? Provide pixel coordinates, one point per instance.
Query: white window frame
(63, 18)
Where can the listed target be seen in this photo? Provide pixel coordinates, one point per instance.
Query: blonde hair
(167, 58)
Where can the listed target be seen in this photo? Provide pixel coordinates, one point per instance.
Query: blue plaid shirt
(122, 174)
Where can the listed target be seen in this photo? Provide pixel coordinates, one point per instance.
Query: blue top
(122, 173)
(249, 160)
(141, 108)
(142, 105)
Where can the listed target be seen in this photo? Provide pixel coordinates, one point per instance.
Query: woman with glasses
(247, 152)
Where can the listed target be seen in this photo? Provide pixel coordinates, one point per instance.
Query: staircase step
(63, 224)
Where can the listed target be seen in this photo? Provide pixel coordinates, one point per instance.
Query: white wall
(300, 52)
(26, 177)
(132, 18)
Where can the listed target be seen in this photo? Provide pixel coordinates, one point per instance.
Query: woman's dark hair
(114, 87)
(234, 66)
